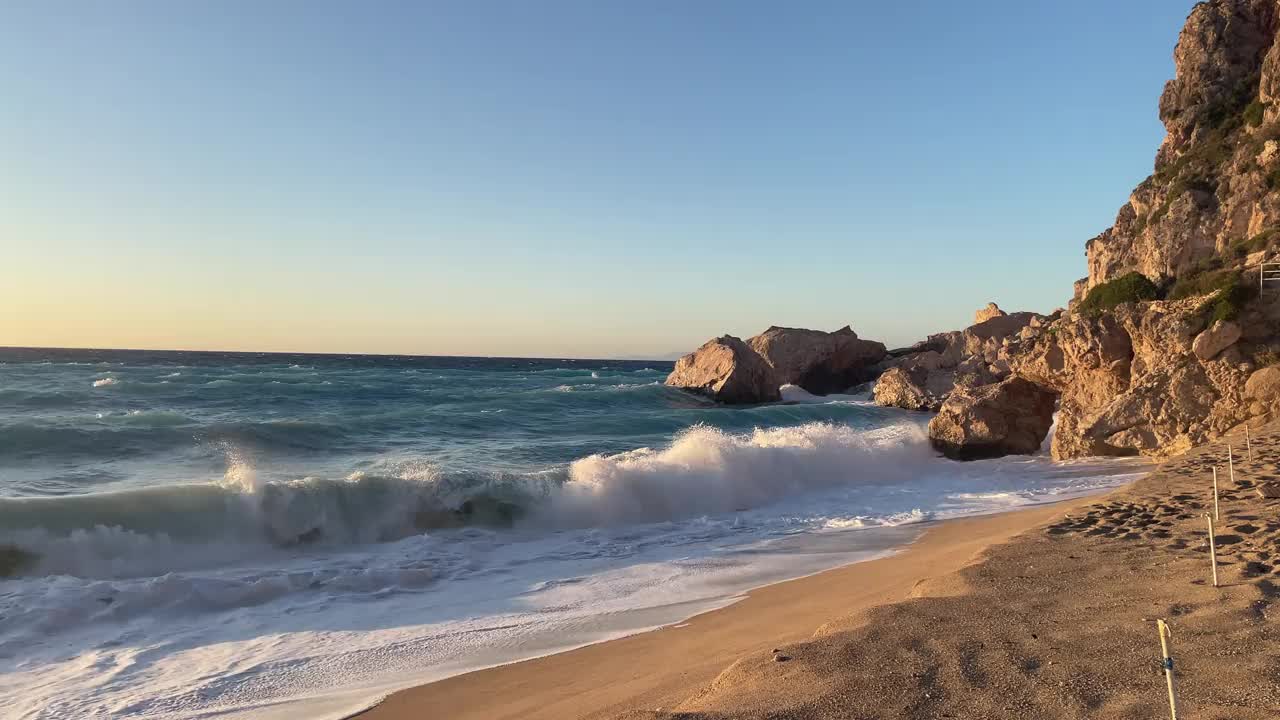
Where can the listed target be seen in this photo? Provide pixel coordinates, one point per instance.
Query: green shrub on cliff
(1134, 287)
(1253, 113)
(1261, 241)
(1202, 283)
(1229, 301)
(1227, 292)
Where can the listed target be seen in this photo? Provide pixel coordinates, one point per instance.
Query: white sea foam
(706, 471)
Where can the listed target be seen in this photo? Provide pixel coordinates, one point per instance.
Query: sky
(559, 178)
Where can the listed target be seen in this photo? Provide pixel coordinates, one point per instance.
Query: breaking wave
(703, 471)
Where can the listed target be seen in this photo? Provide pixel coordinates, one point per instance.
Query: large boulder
(1011, 417)
(728, 370)
(1220, 336)
(908, 389)
(820, 362)
(1264, 384)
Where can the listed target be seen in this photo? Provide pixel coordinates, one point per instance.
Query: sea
(255, 535)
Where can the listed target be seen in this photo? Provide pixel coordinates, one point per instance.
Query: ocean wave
(707, 471)
(703, 471)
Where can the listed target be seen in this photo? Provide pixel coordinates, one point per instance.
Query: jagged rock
(820, 362)
(910, 389)
(1220, 52)
(1133, 382)
(1222, 335)
(990, 334)
(1011, 417)
(971, 357)
(728, 370)
(992, 310)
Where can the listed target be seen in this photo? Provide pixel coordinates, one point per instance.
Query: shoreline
(605, 678)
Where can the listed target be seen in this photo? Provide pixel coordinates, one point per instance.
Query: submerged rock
(820, 362)
(1011, 417)
(727, 370)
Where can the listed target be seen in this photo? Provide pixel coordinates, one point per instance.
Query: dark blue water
(76, 421)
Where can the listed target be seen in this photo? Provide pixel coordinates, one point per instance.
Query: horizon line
(327, 354)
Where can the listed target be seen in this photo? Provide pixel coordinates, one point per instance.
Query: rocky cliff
(1171, 340)
(1211, 198)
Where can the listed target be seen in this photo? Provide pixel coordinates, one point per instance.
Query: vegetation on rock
(1254, 112)
(1133, 287)
(1261, 241)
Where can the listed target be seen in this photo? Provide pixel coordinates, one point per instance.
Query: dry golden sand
(1057, 623)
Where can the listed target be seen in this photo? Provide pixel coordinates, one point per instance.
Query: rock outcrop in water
(728, 370)
(820, 362)
(1011, 417)
(732, 371)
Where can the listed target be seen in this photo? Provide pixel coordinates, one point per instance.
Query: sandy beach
(1047, 612)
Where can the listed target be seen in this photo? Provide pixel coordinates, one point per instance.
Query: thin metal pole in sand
(1213, 552)
(1248, 443)
(1231, 465)
(1165, 634)
(1216, 516)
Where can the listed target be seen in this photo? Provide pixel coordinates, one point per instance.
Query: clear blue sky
(558, 178)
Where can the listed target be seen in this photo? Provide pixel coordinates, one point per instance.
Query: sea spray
(706, 470)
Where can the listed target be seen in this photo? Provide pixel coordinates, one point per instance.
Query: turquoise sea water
(224, 534)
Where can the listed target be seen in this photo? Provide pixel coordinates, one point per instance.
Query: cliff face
(1211, 196)
(1170, 341)
(1156, 377)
